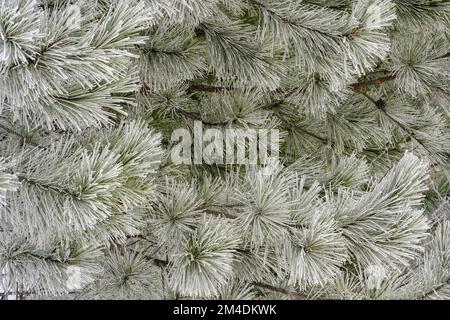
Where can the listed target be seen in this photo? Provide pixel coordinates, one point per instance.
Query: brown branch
(374, 82)
(279, 290)
(357, 85)
(220, 214)
(273, 105)
(381, 80)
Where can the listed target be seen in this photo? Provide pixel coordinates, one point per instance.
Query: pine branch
(379, 81)
(49, 259)
(46, 187)
(164, 263)
(381, 105)
(295, 127)
(33, 60)
(45, 49)
(24, 139)
(286, 64)
(289, 22)
(275, 104)
(356, 85)
(231, 216)
(426, 295)
(12, 132)
(21, 136)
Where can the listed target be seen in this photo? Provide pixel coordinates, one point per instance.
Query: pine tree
(93, 207)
